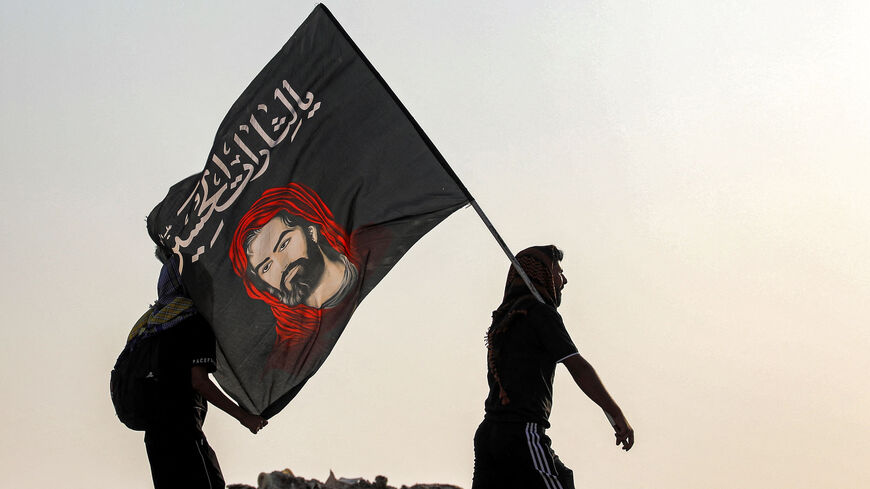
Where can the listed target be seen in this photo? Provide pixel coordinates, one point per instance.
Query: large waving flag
(318, 182)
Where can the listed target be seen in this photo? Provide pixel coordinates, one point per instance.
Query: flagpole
(505, 248)
(437, 154)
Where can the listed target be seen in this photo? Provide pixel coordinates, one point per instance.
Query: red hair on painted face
(293, 323)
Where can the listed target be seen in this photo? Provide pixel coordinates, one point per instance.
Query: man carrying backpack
(177, 449)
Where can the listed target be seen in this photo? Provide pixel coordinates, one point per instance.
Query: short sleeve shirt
(527, 353)
(182, 347)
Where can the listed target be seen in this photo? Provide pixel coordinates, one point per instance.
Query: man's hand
(588, 381)
(622, 430)
(253, 422)
(202, 383)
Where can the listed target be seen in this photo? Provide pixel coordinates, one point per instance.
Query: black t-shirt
(182, 347)
(527, 353)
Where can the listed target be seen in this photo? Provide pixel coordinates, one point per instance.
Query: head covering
(171, 308)
(293, 323)
(539, 263)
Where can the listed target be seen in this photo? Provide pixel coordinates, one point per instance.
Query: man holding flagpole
(525, 342)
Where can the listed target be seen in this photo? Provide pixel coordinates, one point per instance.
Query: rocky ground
(287, 480)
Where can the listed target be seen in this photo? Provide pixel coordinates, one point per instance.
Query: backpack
(135, 381)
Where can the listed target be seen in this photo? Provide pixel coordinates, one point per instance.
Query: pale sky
(703, 165)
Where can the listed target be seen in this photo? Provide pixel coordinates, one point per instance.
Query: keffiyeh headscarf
(539, 263)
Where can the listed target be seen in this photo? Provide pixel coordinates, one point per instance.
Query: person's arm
(203, 384)
(588, 381)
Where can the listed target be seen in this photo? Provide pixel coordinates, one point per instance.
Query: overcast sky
(704, 165)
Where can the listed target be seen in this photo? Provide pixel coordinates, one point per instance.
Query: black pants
(181, 460)
(517, 455)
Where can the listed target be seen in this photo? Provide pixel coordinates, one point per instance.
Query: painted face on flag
(301, 141)
(284, 255)
(291, 254)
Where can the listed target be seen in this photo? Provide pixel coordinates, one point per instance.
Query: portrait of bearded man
(292, 255)
(289, 259)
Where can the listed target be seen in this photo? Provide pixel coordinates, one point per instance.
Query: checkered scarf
(539, 263)
(171, 308)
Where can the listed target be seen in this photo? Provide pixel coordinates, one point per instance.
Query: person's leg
(206, 472)
(182, 462)
(548, 469)
(169, 456)
(504, 459)
(484, 463)
(566, 475)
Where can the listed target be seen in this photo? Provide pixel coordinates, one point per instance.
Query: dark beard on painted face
(310, 272)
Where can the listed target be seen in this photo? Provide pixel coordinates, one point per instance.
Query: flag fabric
(318, 182)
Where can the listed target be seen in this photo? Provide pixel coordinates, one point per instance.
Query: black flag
(318, 182)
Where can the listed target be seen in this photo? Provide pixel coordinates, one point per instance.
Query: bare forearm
(202, 383)
(588, 381)
(213, 395)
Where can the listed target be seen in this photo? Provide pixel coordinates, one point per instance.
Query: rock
(287, 480)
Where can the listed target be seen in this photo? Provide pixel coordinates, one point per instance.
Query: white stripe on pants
(199, 446)
(541, 457)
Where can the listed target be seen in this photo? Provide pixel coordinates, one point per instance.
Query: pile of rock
(286, 480)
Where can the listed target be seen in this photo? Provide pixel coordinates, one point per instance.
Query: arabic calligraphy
(234, 163)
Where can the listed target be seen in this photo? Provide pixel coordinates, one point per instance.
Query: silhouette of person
(178, 451)
(525, 342)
